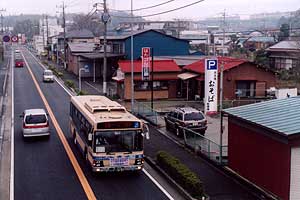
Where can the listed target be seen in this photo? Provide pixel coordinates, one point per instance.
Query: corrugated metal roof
(293, 45)
(159, 66)
(81, 47)
(281, 115)
(261, 39)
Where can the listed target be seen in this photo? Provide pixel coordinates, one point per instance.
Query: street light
(81, 69)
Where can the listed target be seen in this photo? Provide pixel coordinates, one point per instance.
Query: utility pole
(63, 6)
(43, 31)
(47, 36)
(221, 90)
(64, 27)
(2, 23)
(131, 58)
(105, 17)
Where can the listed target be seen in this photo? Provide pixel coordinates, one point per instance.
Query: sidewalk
(87, 84)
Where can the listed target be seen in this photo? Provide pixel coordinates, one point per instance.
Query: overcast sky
(207, 8)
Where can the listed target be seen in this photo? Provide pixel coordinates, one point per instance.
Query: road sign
(14, 38)
(6, 38)
(211, 86)
(145, 63)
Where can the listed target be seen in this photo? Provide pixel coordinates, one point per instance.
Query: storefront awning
(187, 75)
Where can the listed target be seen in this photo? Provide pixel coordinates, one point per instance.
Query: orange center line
(83, 180)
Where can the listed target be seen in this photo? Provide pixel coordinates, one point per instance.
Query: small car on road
(48, 76)
(19, 62)
(35, 123)
(187, 117)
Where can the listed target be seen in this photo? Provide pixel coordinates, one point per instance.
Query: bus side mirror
(22, 115)
(90, 137)
(146, 131)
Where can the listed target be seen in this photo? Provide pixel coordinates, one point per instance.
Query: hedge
(70, 84)
(181, 174)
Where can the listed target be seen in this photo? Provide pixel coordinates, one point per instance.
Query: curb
(182, 191)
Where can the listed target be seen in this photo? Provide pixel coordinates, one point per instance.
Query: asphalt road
(42, 168)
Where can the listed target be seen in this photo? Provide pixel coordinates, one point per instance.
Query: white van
(48, 76)
(35, 123)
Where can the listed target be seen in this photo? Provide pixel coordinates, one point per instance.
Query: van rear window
(35, 119)
(193, 116)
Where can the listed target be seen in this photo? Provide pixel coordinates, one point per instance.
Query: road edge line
(157, 184)
(12, 164)
(81, 176)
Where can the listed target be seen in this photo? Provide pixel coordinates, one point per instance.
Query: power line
(148, 7)
(164, 12)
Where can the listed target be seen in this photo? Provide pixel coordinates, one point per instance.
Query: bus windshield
(118, 141)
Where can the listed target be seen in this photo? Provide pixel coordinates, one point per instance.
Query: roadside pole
(131, 59)
(152, 76)
(105, 17)
(221, 92)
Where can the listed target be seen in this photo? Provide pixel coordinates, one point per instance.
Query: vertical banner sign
(211, 86)
(146, 63)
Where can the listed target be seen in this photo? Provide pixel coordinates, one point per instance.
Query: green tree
(284, 32)
(27, 27)
(91, 23)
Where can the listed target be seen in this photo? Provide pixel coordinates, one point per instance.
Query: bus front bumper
(118, 169)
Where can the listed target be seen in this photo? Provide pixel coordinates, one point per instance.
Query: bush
(60, 74)
(70, 84)
(82, 92)
(180, 173)
(44, 62)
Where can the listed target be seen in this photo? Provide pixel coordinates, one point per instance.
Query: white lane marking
(158, 185)
(44, 67)
(145, 172)
(12, 143)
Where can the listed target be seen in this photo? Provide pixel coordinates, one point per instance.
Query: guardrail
(205, 146)
(145, 111)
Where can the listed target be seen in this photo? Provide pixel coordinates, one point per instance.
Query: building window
(245, 89)
(146, 85)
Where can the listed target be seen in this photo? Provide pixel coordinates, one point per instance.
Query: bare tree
(91, 23)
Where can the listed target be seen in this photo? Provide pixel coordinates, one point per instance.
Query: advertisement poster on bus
(146, 63)
(211, 86)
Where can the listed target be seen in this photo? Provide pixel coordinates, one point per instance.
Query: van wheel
(74, 138)
(167, 125)
(177, 131)
(86, 155)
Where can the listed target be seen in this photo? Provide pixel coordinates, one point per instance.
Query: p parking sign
(211, 64)
(211, 86)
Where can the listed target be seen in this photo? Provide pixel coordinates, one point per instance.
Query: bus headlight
(139, 161)
(98, 163)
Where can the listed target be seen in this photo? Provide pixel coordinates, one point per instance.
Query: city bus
(109, 137)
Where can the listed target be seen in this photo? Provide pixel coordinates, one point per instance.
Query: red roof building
(165, 80)
(242, 79)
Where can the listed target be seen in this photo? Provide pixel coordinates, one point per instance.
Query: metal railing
(205, 146)
(145, 111)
